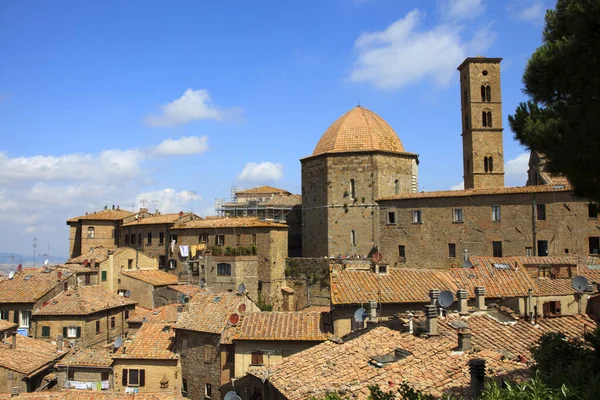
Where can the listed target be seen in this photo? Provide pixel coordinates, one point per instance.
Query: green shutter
(103, 275)
(64, 332)
(45, 331)
(78, 331)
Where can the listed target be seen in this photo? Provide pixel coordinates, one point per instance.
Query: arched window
(488, 164)
(353, 237)
(352, 189)
(397, 186)
(486, 93)
(486, 118)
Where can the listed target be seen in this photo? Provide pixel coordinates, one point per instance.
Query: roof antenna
(358, 102)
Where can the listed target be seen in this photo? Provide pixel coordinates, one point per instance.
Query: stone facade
(83, 374)
(155, 371)
(520, 231)
(242, 269)
(481, 104)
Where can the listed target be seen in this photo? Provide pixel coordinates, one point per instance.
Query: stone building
(357, 160)
(172, 294)
(140, 284)
(85, 369)
(84, 316)
(227, 273)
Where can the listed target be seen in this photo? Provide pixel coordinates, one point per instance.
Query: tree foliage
(562, 117)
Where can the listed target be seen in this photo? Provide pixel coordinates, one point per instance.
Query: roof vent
(28, 277)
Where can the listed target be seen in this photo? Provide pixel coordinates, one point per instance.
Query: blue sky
(111, 102)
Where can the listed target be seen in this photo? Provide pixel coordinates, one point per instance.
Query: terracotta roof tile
(30, 355)
(94, 395)
(5, 325)
(479, 192)
(161, 219)
(166, 313)
(153, 341)
(83, 300)
(262, 190)
(152, 276)
(229, 222)
(209, 312)
(297, 325)
(29, 285)
(88, 357)
(190, 290)
(96, 255)
(104, 215)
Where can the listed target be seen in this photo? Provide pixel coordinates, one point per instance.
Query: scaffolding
(275, 207)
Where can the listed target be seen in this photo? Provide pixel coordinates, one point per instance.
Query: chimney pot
(477, 369)
(464, 340)
(431, 314)
(433, 296)
(480, 297)
(372, 310)
(462, 296)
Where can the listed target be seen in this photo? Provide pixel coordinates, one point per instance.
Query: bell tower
(481, 108)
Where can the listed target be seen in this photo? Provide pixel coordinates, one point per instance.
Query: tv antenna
(192, 195)
(143, 203)
(34, 247)
(154, 204)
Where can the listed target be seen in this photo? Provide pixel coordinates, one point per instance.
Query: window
(91, 232)
(184, 387)
(391, 217)
(254, 239)
(566, 251)
(133, 238)
(65, 285)
(103, 276)
(130, 263)
(542, 248)
(207, 390)
(457, 215)
(139, 238)
(24, 319)
(541, 212)
(486, 118)
(72, 332)
(209, 353)
(594, 244)
(383, 269)
(396, 186)
(352, 189)
(87, 279)
(126, 314)
(402, 252)
(149, 240)
(497, 249)
(104, 376)
(488, 164)
(4, 315)
(238, 239)
(551, 308)
(161, 238)
(97, 327)
(529, 251)
(113, 322)
(353, 237)
(496, 213)
(71, 373)
(126, 238)
(45, 331)
(592, 210)
(219, 240)
(133, 377)
(452, 250)
(416, 217)
(486, 93)
(224, 269)
(257, 357)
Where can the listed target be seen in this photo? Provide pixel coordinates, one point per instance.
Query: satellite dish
(377, 257)
(184, 298)
(580, 283)
(241, 289)
(446, 299)
(242, 308)
(232, 395)
(118, 342)
(11, 274)
(202, 283)
(360, 314)
(46, 261)
(234, 318)
(127, 293)
(85, 262)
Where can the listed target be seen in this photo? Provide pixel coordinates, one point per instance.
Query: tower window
(486, 118)
(541, 212)
(416, 217)
(352, 188)
(488, 164)
(486, 93)
(497, 249)
(397, 186)
(592, 210)
(353, 237)
(452, 250)
(495, 213)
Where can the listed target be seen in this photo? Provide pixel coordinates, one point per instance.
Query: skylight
(501, 266)
(396, 355)
(28, 277)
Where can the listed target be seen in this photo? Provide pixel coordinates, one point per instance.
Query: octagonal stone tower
(357, 160)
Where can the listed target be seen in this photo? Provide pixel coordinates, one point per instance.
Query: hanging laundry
(173, 245)
(193, 250)
(184, 250)
(105, 385)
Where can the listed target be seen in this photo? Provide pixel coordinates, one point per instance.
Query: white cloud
(458, 186)
(185, 145)
(461, 9)
(528, 11)
(261, 172)
(192, 105)
(515, 170)
(405, 53)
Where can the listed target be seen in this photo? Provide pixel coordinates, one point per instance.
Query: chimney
(59, 343)
(433, 296)
(431, 314)
(480, 297)
(143, 210)
(113, 206)
(179, 311)
(13, 345)
(477, 369)
(124, 349)
(461, 295)
(372, 310)
(118, 207)
(464, 340)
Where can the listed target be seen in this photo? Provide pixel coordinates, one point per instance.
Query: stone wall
(83, 374)
(123, 260)
(566, 228)
(314, 203)
(155, 371)
(196, 369)
(309, 277)
(105, 235)
(141, 292)
(244, 269)
(17, 380)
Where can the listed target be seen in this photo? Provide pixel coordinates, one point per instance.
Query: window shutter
(78, 331)
(64, 332)
(557, 307)
(142, 377)
(124, 377)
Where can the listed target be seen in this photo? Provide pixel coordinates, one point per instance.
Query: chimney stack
(433, 296)
(477, 369)
(59, 343)
(179, 311)
(13, 345)
(431, 314)
(372, 310)
(464, 340)
(461, 295)
(480, 297)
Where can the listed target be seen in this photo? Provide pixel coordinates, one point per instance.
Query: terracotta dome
(359, 130)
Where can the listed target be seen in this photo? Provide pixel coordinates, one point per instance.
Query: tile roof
(262, 190)
(161, 219)
(229, 222)
(5, 325)
(88, 357)
(83, 300)
(96, 255)
(359, 130)
(152, 276)
(345, 367)
(30, 356)
(166, 313)
(153, 341)
(190, 290)
(93, 395)
(209, 312)
(22, 289)
(479, 192)
(294, 325)
(104, 215)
